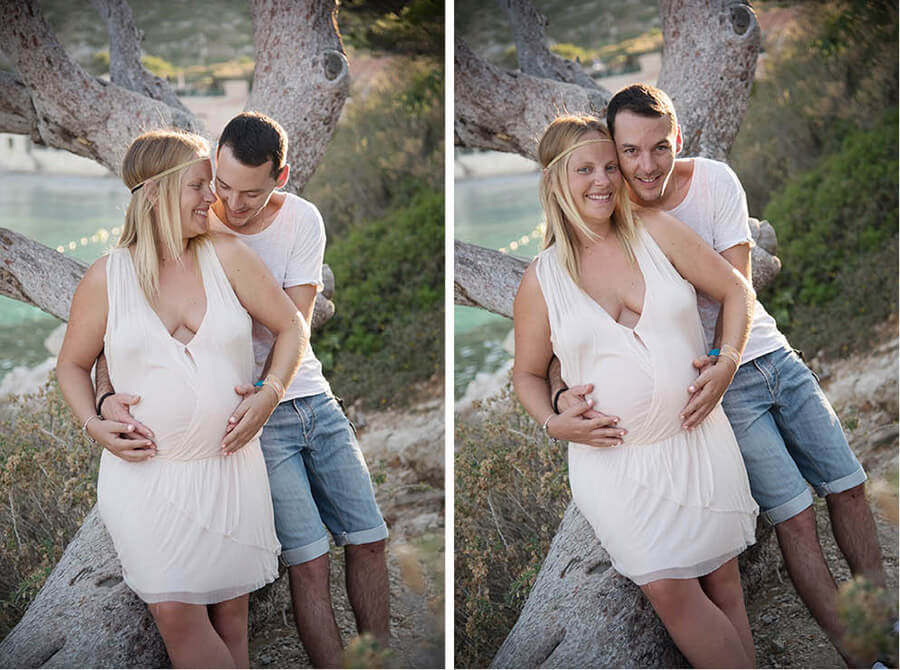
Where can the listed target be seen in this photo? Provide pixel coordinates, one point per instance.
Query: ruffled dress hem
(208, 598)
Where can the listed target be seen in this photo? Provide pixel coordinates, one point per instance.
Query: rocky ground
(405, 453)
(863, 390)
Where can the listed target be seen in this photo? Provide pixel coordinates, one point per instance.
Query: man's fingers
(244, 389)
(582, 389)
(603, 442)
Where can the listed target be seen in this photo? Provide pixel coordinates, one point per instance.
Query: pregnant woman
(612, 296)
(193, 526)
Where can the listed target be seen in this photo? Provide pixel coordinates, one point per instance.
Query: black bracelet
(556, 398)
(100, 402)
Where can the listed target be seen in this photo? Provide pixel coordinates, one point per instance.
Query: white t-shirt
(292, 247)
(715, 207)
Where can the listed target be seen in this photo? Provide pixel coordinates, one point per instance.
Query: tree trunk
(708, 66)
(709, 61)
(301, 77)
(86, 617)
(581, 613)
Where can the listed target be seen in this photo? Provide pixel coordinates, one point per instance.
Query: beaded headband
(572, 148)
(178, 167)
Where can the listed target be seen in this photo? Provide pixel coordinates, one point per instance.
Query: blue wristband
(260, 382)
(713, 352)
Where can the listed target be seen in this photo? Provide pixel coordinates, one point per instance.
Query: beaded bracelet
(732, 354)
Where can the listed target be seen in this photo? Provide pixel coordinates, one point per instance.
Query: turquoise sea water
(80, 214)
(491, 212)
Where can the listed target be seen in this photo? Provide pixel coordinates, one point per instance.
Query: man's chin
(645, 195)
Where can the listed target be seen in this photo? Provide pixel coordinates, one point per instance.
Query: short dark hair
(255, 138)
(640, 99)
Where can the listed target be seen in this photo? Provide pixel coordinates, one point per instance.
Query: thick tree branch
(709, 61)
(41, 276)
(16, 112)
(507, 111)
(534, 57)
(73, 110)
(37, 275)
(489, 279)
(125, 67)
(486, 278)
(302, 78)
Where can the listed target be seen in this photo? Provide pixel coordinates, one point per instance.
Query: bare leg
(189, 636)
(313, 615)
(805, 563)
(229, 618)
(723, 587)
(367, 588)
(702, 631)
(854, 530)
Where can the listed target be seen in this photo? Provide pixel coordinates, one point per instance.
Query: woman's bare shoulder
(95, 276)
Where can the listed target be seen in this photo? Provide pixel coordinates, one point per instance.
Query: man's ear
(678, 140)
(283, 176)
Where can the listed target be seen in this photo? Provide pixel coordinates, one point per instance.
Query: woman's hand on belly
(579, 422)
(250, 415)
(707, 390)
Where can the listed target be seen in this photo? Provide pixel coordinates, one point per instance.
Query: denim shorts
(788, 434)
(318, 479)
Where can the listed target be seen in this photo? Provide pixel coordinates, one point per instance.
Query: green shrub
(388, 329)
(511, 493)
(48, 477)
(387, 148)
(837, 233)
(835, 75)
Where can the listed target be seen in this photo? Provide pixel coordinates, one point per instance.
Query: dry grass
(48, 475)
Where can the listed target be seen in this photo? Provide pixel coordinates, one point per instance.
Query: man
(317, 473)
(787, 431)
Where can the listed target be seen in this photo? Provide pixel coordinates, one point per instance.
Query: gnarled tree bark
(534, 57)
(84, 616)
(580, 612)
(125, 67)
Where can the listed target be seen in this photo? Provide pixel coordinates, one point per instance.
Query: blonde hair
(560, 212)
(153, 219)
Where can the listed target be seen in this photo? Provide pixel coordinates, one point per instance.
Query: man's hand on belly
(117, 407)
(579, 422)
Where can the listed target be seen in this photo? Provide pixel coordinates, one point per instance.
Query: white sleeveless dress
(189, 525)
(667, 503)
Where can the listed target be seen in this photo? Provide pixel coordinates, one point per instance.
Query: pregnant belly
(187, 419)
(647, 402)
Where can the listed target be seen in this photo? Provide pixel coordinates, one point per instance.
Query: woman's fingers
(572, 426)
(109, 434)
